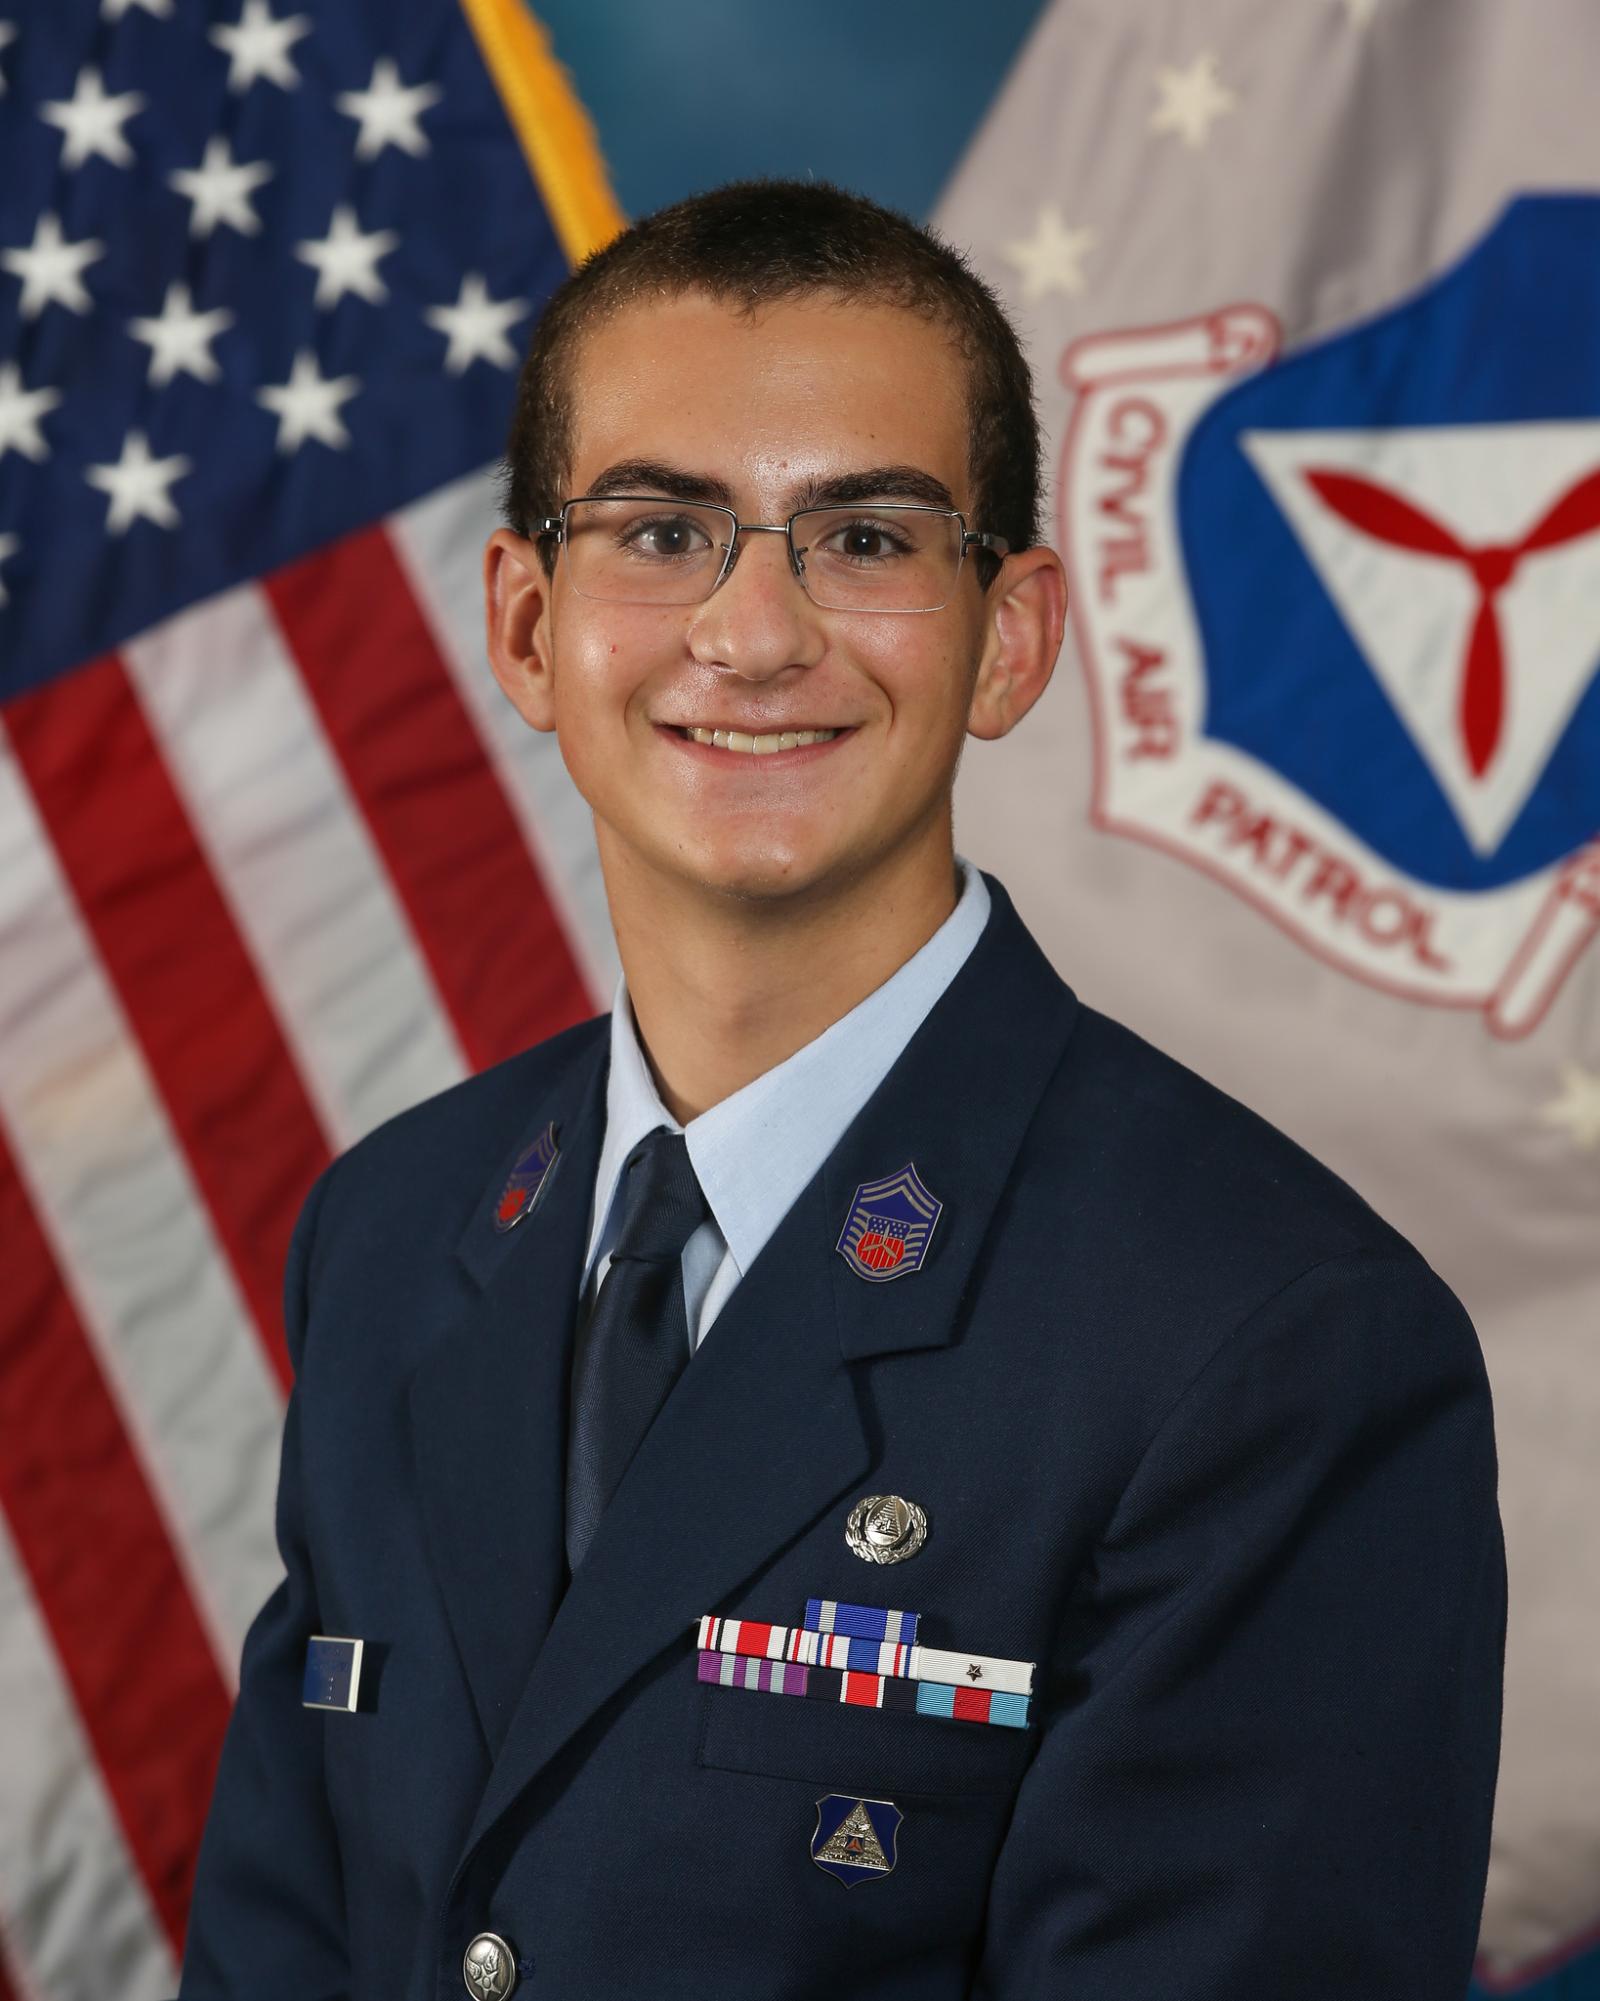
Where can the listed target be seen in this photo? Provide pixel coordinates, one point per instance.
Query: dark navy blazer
(1194, 1429)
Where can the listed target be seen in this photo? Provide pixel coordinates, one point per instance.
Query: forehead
(799, 389)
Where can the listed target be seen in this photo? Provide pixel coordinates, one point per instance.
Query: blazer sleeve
(1269, 1755)
(267, 1919)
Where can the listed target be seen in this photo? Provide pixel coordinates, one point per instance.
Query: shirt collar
(756, 1150)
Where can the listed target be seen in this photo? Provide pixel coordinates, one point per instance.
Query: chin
(767, 876)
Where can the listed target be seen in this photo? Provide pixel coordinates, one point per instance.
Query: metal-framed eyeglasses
(641, 549)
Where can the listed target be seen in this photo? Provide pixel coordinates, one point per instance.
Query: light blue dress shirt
(757, 1149)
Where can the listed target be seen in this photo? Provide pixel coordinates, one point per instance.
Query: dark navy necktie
(635, 1343)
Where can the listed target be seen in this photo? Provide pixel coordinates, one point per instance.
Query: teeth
(760, 746)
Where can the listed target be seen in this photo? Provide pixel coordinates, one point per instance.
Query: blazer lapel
(764, 1431)
(488, 1407)
(957, 1107)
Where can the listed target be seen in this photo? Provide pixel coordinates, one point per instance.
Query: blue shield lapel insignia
(855, 1838)
(526, 1181)
(890, 1222)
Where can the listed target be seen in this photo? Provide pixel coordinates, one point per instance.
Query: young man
(855, 1474)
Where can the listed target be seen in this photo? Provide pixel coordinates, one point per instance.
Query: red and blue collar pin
(527, 1180)
(890, 1224)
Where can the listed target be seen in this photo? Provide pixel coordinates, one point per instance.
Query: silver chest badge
(884, 1528)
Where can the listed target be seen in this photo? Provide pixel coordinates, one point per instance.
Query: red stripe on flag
(184, 975)
(430, 795)
(102, 1569)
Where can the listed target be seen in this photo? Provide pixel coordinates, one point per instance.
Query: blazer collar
(488, 1404)
(956, 1107)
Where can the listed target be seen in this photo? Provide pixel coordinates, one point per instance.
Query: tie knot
(662, 1202)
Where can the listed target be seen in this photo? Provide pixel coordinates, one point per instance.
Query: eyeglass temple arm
(997, 545)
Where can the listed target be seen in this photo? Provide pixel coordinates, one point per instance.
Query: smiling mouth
(757, 746)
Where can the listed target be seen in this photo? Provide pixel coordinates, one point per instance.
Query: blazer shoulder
(1158, 1132)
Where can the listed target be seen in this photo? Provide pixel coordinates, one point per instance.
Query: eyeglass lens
(889, 558)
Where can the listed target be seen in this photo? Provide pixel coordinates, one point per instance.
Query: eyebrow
(883, 483)
(652, 476)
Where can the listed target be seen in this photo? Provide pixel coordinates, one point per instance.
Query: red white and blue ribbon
(849, 1665)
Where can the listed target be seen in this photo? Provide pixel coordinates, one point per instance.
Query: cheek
(601, 663)
(925, 677)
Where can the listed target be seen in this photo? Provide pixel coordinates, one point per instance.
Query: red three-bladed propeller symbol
(1386, 517)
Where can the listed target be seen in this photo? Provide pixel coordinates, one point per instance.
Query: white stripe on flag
(440, 540)
(294, 858)
(114, 1197)
(77, 1922)
(18, 1980)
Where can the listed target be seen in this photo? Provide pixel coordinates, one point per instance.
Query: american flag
(275, 858)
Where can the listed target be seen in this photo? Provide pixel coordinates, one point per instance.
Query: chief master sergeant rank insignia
(887, 1231)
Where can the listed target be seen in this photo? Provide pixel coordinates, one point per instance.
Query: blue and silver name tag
(333, 1673)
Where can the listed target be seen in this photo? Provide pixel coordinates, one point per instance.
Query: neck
(725, 988)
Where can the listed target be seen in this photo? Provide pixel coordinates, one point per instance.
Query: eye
(665, 537)
(866, 542)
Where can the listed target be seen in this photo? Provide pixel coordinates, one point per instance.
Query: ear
(516, 597)
(1027, 616)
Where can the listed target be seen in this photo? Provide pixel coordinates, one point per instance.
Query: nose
(758, 620)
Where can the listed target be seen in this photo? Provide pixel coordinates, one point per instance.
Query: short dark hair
(756, 242)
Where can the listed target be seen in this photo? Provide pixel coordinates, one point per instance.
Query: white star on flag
(220, 189)
(259, 46)
(7, 34)
(477, 326)
(180, 339)
(113, 10)
(1577, 1110)
(1192, 100)
(9, 545)
(307, 405)
(346, 260)
(1051, 260)
(20, 411)
(51, 268)
(92, 121)
(138, 485)
(388, 111)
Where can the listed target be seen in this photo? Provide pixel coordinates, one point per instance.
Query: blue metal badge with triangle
(855, 1838)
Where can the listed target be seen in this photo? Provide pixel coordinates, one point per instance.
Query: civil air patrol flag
(1312, 292)
(266, 276)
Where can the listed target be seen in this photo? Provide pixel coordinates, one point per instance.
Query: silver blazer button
(489, 1968)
